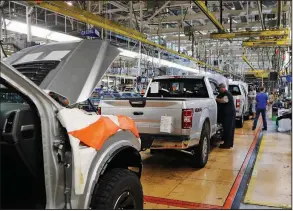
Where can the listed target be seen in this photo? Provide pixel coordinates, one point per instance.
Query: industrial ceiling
(182, 27)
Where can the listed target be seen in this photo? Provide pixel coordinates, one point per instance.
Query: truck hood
(70, 69)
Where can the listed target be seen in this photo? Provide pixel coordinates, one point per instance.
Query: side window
(214, 86)
(243, 89)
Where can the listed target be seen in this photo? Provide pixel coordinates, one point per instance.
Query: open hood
(71, 69)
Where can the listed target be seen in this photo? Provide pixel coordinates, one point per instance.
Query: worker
(225, 98)
(252, 102)
(261, 107)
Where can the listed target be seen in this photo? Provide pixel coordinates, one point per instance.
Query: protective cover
(92, 131)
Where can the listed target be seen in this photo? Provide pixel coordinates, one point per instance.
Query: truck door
(214, 119)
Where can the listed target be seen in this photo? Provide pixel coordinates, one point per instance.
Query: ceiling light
(158, 61)
(69, 3)
(20, 27)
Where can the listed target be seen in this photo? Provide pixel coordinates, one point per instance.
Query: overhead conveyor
(98, 21)
(262, 33)
(267, 43)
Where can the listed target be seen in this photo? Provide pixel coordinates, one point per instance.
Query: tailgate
(147, 113)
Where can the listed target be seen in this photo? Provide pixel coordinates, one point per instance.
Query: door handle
(27, 131)
(137, 113)
(27, 127)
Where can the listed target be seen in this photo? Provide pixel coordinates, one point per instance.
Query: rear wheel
(240, 122)
(118, 189)
(202, 151)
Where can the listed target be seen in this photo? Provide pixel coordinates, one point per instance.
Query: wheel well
(127, 158)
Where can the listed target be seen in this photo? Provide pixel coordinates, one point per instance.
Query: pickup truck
(177, 112)
(46, 159)
(239, 90)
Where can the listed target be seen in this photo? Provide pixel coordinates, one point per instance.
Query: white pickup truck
(239, 90)
(177, 112)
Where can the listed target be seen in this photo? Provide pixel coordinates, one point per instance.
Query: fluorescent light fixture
(158, 61)
(20, 27)
(69, 3)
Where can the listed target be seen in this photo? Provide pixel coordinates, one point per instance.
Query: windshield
(178, 87)
(129, 94)
(234, 89)
(9, 96)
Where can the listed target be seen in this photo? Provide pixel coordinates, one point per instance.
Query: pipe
(279, 14)
(221, 11)
(259, 6)
(29, 22)
(231, 23)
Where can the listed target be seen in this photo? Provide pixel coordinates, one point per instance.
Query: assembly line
(108, 115)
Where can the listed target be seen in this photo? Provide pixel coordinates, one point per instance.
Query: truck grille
(36, 71)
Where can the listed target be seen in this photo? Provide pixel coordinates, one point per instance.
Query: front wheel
(201, 155)
(118, 189)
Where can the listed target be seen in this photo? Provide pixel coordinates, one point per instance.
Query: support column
(139, 49)
(1, 28)
(130, 20)
(29, 23)
(100, 10)
(159, 57)
(221, 11)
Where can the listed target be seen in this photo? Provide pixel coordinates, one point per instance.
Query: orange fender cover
(98, 132)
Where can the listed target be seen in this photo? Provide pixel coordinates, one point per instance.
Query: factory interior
(146, 104)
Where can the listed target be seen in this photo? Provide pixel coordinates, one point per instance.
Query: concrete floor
(270, 183)
(170, 183)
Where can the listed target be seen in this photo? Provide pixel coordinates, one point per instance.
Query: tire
(240, 122)
(116, 185)
(201, 156)
(246, 117)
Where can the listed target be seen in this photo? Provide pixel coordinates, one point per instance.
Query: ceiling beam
(158, 11)
(226, 14)
(201, 5)
(205, 28)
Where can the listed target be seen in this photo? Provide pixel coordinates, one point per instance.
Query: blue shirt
(261, 100)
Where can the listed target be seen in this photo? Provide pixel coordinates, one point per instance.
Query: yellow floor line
(285, 206)
(252, 183)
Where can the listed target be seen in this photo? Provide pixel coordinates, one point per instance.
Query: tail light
(237, 103)
(187, 115)
(99, 110)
